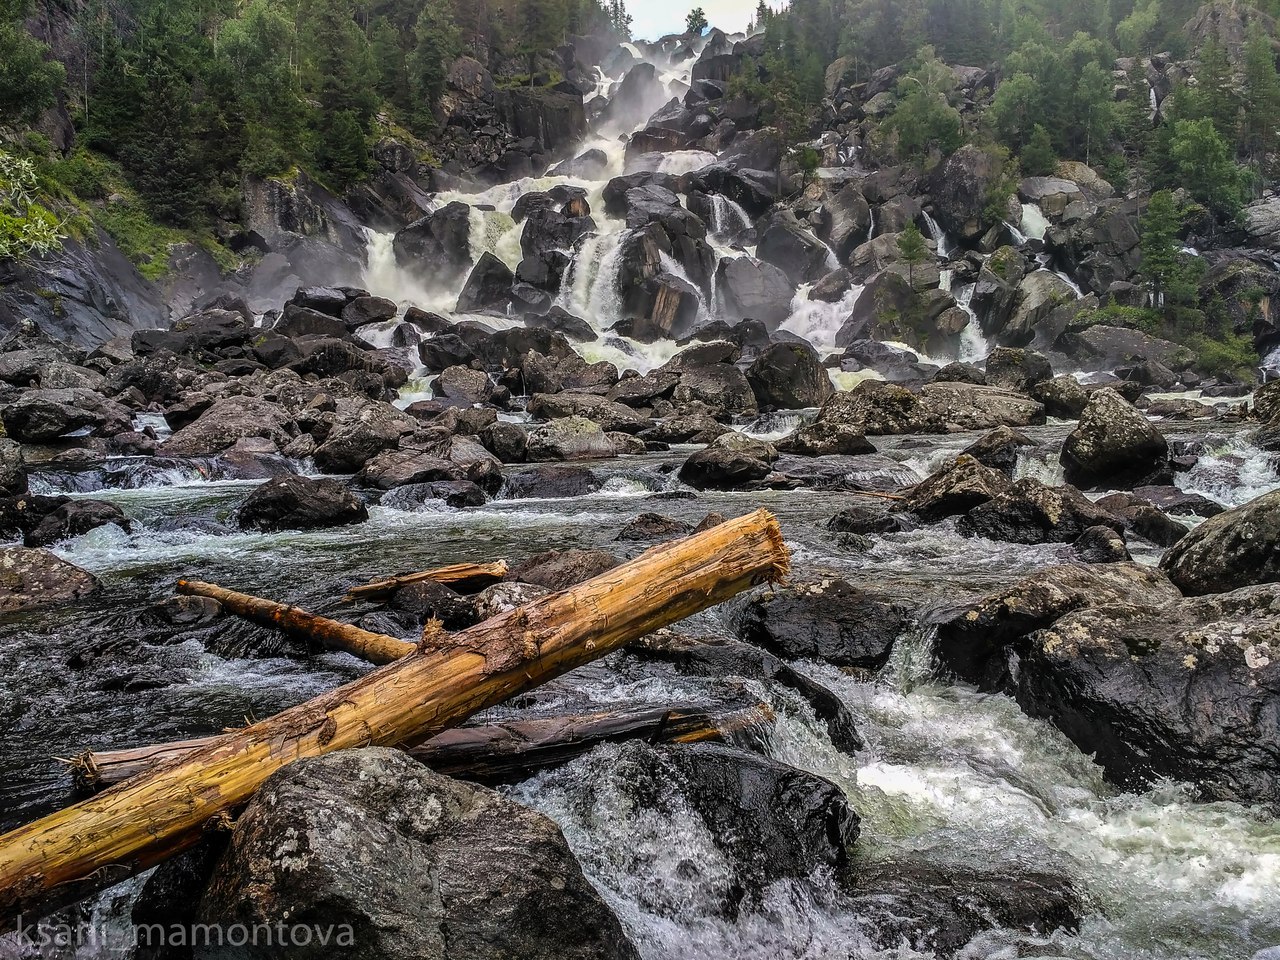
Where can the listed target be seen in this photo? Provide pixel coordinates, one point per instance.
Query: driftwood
(375, 647)
(461, 576)
(94, 844)
(494, 753)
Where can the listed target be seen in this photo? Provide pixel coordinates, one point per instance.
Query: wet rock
(1144, 518)
(570, 438)
(453, 493)
(429, 600)
(363, 430)
(789, 376)
(437, 247)
(183, 611)
(1174, 500)
(863, 521)
(698, 428)
(609, 415)
(960, 188)
(226, 421)
(1017, 369)
(653, 526)
(1235, 549)
(299, 503)
(365, 310)
(940, 910)
(1113, 445)
(445, 350)
(823, 439)
(488, 287)
(33, 579)
(1101, 545)
(410, 863)
(761, 820)
(956, 489)
(1030, 512)
(561, 569)
(13, 469)
(877, 408)
(728, 462)
(786, 244)
(829, 620)
(1062, 397)
(465, 384)
(961, 373)
(999, 449)
(73, 519)
(547, 482)
(505, 597)
(506, 441)
(1104, 347)
(411, 463)
(754, 290)
(38, 416)
(963, 406)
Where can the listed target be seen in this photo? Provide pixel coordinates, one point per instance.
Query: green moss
(142, 240)
(1228, 356)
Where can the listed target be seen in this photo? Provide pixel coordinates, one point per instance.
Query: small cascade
(681, 162)
(974, 345)
(1034, 225)
(1075, 287)
(939, 235)
(1270, 365)
(818, 321)
(384, 278)
(1019, 238)
(728, 219)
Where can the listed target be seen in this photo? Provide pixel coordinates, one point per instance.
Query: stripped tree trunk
(100, 841)
(375, 647)
(460, 576)
(493, 753)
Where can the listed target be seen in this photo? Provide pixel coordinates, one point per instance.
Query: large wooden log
(492, 753)
(100, 841)
(460, 576)
(375, 647)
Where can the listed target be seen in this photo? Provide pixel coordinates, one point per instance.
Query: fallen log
(375, 647)
(460, 576)
(100, 841)
(493, 753)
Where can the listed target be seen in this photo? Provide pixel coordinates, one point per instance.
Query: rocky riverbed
(1022, 690)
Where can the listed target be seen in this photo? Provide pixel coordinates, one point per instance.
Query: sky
(655, 18)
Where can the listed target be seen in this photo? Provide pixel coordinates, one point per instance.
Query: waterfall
(1033, 224)
(818, 321)
(1019, 238)
(938, 234)
(974, 345)
(1270, 365)
(727, 218)
(1075, 287)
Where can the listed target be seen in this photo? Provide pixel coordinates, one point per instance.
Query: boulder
(1031, 512)
(412, 497)
(1017, 369)
(1151, 684)
(561, 569)
(789, 376)
(653, 526)
(999, 449)
(961, 185)
(407, 864)
(551, 482)
(864, 520)
(1140, 516)
(299, 503)
(1063, 397)
(1238, 548)
(73, 519)
(570, 438)
(34, 579)
(1103, 347)
(437, 247)
(727, 463)
(13, 469)
(609, 415)
(829, 620)
(226, 421)
(750, 289)
(488, 287)
(956, 489)
(39, 416)
(823, 439)
(1114, 444)
(1101, 545)
(363, 430)
(786, 244)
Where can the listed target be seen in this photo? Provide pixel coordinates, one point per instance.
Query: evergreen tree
(924, 119)
(1262, 99)
(1214, 87)
(912, 248)
(29, 82)
(1093, 110)
(542, 28)
(162, 154)
(343, 152)
(696, 22)
(1202, 163)
(619, 19)
(1037, 157)
(1017, 110)
(1160, 226)
(437, 43)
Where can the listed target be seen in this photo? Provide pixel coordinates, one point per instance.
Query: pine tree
(1037, 157)
(1214, 87)
(437, 43)
(1204, 166)
(696, 22)
(1160, 226)
(542, 28)
(28, 81)
(912, 248)
(619, 19)
(1262, 99)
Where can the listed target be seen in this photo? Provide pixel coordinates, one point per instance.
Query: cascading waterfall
(974, 345)
(1034, 225)
(938, 235)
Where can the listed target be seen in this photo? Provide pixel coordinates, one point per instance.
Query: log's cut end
(781, 569)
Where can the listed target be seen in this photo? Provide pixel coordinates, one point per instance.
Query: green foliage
(27, 229)
(696, 22)
(1202, 163)
(924, 119)
(1228, 355)
(29, 82)
(912, 248)
(1262, 99)
(1038, 159)
(438, 43)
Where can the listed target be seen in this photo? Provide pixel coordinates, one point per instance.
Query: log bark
(493, 753)
(94, 844)
(461, 576)
(375, 647)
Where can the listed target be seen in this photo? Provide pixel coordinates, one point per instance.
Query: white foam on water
(1232, 474)
(1034, 225)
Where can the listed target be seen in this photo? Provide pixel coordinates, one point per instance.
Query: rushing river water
(948, 775)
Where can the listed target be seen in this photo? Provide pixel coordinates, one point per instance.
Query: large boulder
(1114, 445)
(13, 469)
(363, 430)
(789, 376)
(790, 247)
(407, 864)
(1102, 347)
(878, 408)
(954, 490)
(570, 438)
(38, 416)
(829, 620)
(750, 289)
(299, 503)
(488, 287)
(1016, 369)
(437, 247)
(729, 462)
(561, 569)
(1152, 684)
(825, 439)
(227, 421)
(961, 186)
(73, 519)
(1235, 549)
(1031, 512)
(32, 579)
